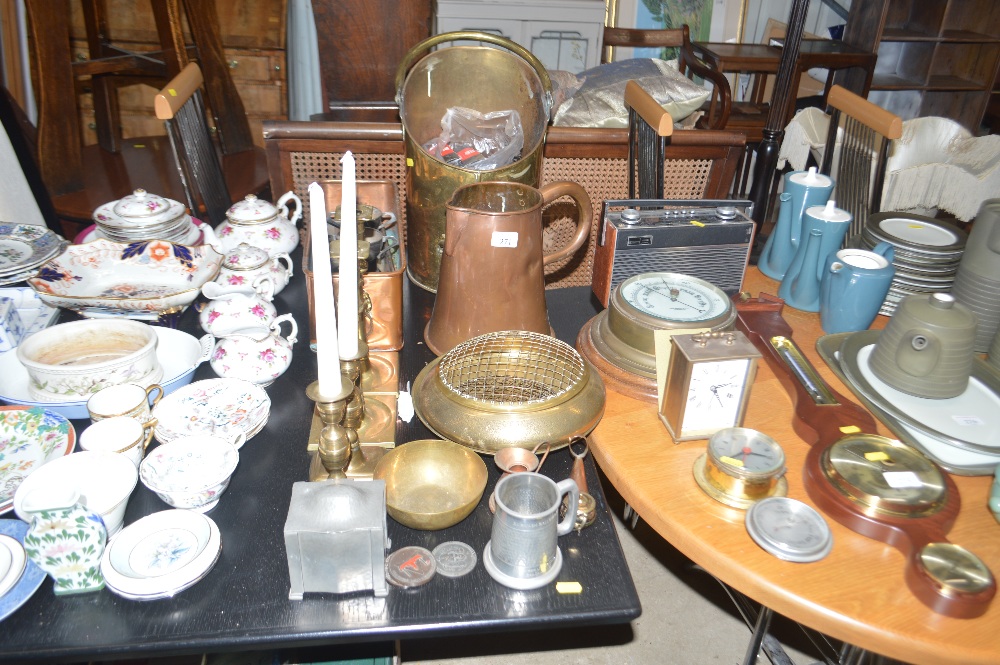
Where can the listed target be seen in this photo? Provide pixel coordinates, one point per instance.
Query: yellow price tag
(697, 223)
(409, 162)
(850, 429)
(569, 587)
(876, 456)
(915, 226)
(731, 461)
(173, 93)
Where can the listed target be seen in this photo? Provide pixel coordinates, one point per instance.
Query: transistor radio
(706, 238)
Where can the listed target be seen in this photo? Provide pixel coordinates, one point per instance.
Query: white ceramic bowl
(179, 354)
(105, 481)
(191, 472)
(78, 358)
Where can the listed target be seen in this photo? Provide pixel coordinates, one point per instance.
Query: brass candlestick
(334, 450)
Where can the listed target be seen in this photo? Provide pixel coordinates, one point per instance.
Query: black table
(243, 603)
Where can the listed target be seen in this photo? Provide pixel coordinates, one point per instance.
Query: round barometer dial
(623, 334)
(884, 477)
(741, 466)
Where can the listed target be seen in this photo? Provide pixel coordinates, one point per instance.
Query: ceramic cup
(126, 399)
(854, 286)
(119, 434)
(994, 501)
(523, 552)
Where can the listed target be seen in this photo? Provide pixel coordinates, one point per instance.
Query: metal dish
(509, 388)
(431, 484)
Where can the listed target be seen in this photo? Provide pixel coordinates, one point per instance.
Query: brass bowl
(431, 484)
(512, 388)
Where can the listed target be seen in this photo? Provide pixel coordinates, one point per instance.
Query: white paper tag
(504, 239)
(901, 479)
(968, 420)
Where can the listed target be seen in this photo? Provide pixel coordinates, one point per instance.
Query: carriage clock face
(708, 383)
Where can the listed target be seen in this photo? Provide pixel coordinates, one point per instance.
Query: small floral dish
(29, 438)
(161, 554)
(222, 407)
(133, 280)
(78, 358)
(25, 247)
(191, 472)
(105, 482)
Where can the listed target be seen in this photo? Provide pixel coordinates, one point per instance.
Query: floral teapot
(261, 224)
(259, 354)
(232, 308)
(246, 263)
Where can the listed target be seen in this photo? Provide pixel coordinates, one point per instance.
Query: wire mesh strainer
(509, 388)
(512, 367)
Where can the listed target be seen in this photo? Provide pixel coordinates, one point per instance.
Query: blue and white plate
(31, 578)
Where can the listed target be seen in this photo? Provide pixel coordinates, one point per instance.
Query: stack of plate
(161, 554)
(222, 407)
(144, 216)
(927, 253)
(19, 576)
(23, 250)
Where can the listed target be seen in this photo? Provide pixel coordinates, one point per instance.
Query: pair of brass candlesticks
(352, 429)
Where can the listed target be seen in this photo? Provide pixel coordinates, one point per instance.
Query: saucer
(178, 353)
(31, 578)
(12, 563)
(161, 554)
(26, 246)
(30, 437)
(219, 406)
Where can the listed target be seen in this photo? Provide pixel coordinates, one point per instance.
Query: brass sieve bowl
(431, 484)
(511, 388)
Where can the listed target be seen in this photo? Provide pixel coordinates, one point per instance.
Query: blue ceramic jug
(802, 190)
(854, 286)
(824, 228)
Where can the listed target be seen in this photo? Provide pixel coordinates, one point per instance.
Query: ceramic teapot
(246, 263)
(258, 354)
(232, 308)
(261, 224)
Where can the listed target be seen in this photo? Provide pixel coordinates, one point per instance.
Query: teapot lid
(251, 210)
(245, 257)
(140, 208)
(810, 178)
(829, 213)
(939, 310)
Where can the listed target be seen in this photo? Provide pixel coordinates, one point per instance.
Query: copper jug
(492, 275)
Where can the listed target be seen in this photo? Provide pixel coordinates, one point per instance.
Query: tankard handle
(553, 191)
(568, 486)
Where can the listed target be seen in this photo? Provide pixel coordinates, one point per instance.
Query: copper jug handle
(553, 191)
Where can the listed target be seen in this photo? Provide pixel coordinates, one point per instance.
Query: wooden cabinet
(562, 34)
(253, 38)
(935, 57)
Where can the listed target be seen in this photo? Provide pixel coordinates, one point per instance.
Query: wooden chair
(697, 164)
(867, 131)
(718, 106)
(80, 177)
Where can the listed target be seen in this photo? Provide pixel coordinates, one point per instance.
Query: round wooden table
(858, 593)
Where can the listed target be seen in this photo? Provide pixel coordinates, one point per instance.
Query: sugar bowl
(261, 224)
(245, 264)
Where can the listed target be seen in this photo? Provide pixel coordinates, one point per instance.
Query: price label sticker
(850, 429)
(876, 456)
(569, 587)
(902, 479)
(504, 239)
(695, 222)
(968, 420)
(732, 461)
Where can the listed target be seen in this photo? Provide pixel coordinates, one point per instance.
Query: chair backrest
(867, 132)
(698, 164)
(649, 127)
(180, 106)
(687, 63)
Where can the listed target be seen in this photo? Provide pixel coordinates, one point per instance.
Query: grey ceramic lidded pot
(927, 348)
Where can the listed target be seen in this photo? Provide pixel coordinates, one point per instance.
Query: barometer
(741, 466)
(879, 487)
(619, 341)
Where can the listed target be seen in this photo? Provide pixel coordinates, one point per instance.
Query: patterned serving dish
(132, 280)
(223, 407)
(29, 438)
